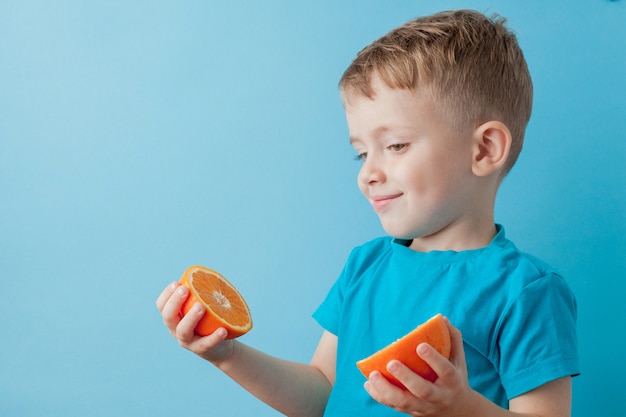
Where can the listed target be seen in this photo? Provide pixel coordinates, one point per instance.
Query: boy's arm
(292, 388)
(551, 399)
(451, 395)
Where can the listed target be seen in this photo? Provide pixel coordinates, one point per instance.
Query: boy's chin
(398, 234)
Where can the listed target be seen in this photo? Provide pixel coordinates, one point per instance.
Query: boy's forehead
(387, 109)
(381, 98)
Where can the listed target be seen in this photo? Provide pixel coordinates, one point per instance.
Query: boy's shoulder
(539, 265)
(366, 254)
(501, 254)
(374, 245)
(516, 258)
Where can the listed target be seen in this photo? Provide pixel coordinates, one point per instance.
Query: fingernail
(173, 285)
(221, 332)
(182, 291)
(393, 367)
(198, 308)
(423, 349)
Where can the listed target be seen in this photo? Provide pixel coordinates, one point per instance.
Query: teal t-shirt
(516, 314)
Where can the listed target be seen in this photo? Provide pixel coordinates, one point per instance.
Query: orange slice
(225, 307)
(434, 332)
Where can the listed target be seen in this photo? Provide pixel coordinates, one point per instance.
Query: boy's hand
(449, 395)
(212, 347)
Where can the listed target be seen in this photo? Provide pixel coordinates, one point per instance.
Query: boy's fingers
(446, 370)
(434, 359)
(390, 395)
(185, 330)
(165, 295)
(171, 309)
(417, 385)
(380, 388)
(205, 343)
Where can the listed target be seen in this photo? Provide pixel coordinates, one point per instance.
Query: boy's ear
(491, 145)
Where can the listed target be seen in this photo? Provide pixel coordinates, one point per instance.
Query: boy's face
(416, 169)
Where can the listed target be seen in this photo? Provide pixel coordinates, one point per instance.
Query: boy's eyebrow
(375, 133)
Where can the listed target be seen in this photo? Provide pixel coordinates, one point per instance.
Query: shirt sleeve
(328, 313)
(537, 338)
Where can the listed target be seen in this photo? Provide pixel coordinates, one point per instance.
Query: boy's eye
(397, 147)
(361, 156)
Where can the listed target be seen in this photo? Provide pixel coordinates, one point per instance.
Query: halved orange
(225, 307)
(434, 332)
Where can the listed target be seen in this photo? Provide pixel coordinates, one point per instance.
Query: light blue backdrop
(140, 137)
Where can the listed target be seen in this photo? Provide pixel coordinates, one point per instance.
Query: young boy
(436, 111)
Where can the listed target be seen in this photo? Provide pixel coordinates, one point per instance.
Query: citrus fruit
(434, 332)
(225, 307)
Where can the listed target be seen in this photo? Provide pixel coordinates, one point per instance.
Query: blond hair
(471, 65)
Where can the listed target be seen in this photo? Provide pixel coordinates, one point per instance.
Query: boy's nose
(371, 172)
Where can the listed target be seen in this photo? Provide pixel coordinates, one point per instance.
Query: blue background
(140, 137)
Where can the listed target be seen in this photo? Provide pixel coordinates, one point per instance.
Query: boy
(436, 111)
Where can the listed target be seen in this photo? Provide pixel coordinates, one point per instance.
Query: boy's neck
(457, 237)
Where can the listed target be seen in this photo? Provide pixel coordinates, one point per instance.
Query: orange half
(225, 307)
(434, 332)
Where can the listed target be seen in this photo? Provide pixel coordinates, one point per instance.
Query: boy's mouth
(380, 203)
